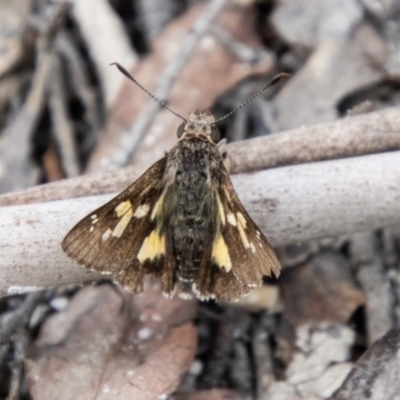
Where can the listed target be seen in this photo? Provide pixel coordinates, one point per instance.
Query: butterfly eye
(215, 134)
(181, 129)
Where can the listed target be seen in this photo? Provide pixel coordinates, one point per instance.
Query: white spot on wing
(142, 211)
(253, 249)
(91, 229)
(231, 219)
(106, 234)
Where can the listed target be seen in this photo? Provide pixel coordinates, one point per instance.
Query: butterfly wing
(238, 254)
(124, 237)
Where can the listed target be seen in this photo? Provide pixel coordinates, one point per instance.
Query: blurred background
(64, 112)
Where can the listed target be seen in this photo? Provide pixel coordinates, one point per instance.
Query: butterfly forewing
(110, 238)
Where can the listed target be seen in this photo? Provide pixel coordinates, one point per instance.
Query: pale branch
(365, 134)
(86, 185)
(107, 40)
(290, 204)
(370, 133)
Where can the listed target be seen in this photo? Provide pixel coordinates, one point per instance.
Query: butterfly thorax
(194, 164)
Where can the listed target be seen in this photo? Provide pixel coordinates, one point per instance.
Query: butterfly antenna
(129, 76)
(271, 83)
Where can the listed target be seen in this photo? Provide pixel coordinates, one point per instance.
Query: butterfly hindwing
(251, 255)
(238, 255)
(124, 237)
(214, 282)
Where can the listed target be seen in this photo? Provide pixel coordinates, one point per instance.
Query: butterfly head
(199, 124)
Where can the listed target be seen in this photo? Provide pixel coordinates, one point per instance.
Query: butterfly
(182, 222)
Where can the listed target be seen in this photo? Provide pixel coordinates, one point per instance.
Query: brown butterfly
(181, 221)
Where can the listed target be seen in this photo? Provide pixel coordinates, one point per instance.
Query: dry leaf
(106, 346)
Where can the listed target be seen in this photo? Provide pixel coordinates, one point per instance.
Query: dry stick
(130, 138)
(107, 40)
(62, 127)
(377, 371)
(79, 79)
(87, 185)
(353, 136)
(289, 204)
(15, 144)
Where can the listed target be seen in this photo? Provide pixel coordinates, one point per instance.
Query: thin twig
(80, 81)
(62, 127)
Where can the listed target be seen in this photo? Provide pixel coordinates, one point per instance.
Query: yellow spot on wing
(123, 208)
(158, 207)
(123, 222)
(152, 247)
(241, 219)
(241, 227)
(220, 254)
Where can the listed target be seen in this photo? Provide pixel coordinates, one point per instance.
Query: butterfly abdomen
(195, 162)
